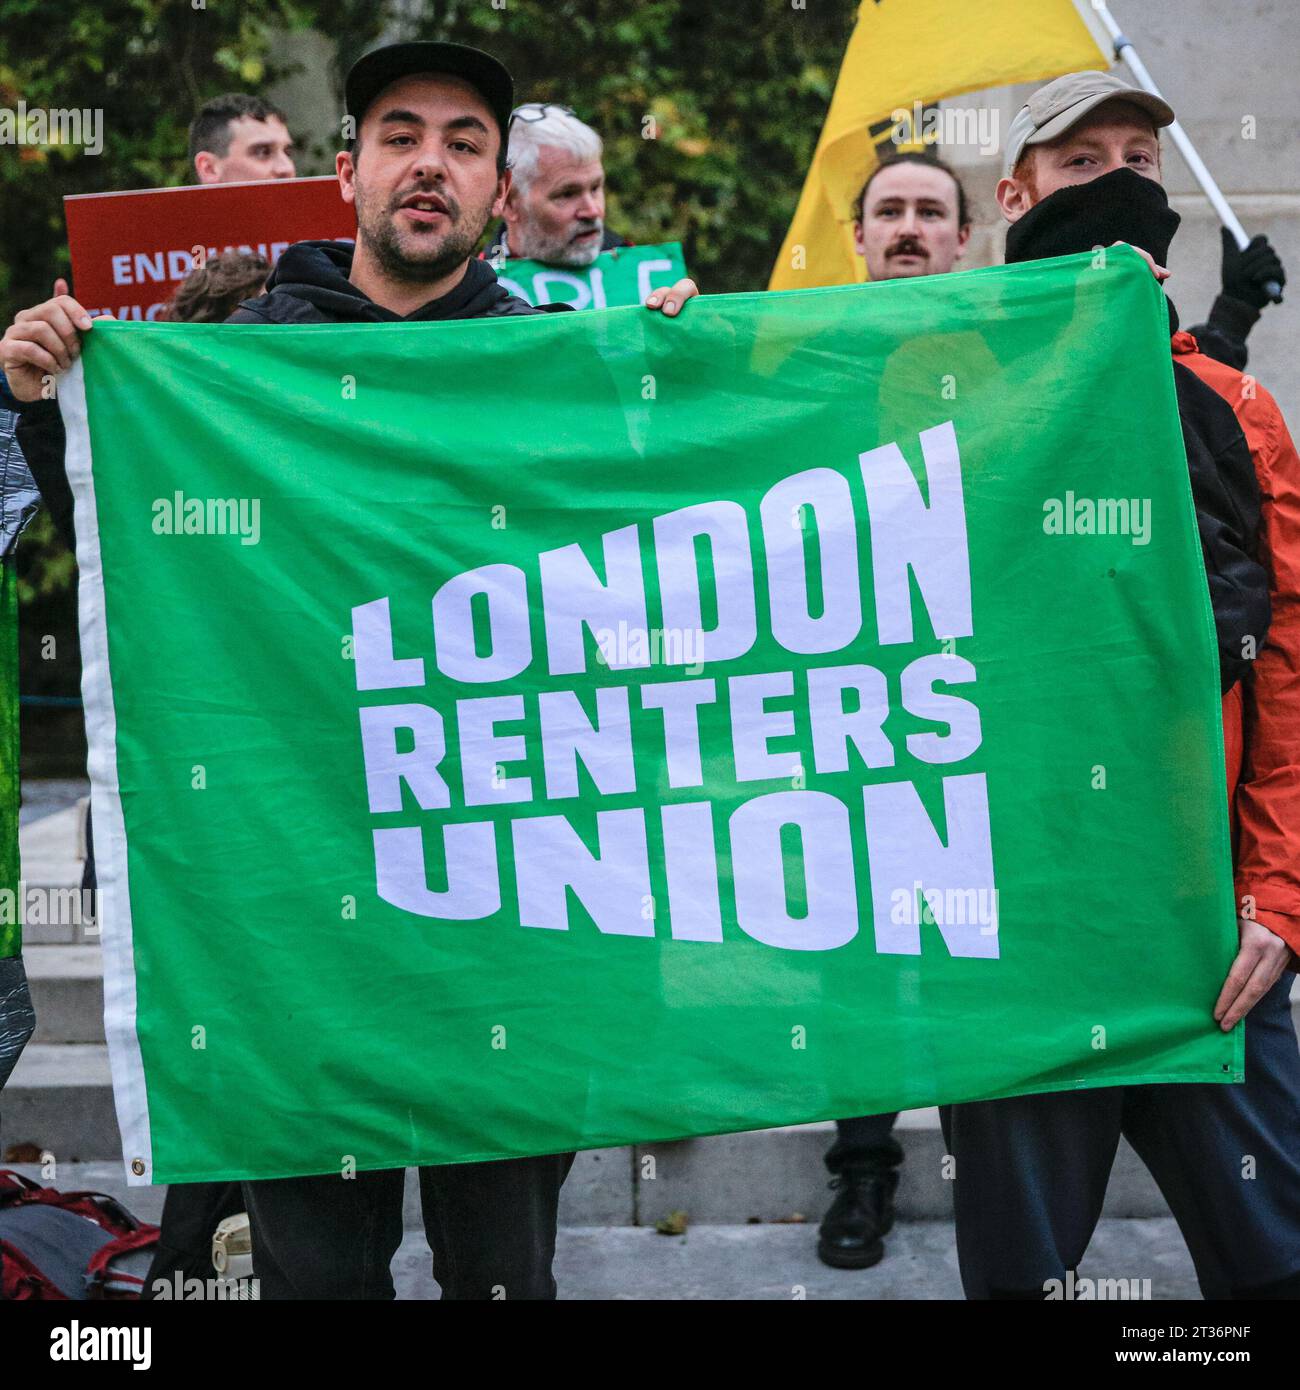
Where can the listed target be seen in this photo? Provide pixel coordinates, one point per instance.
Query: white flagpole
(1124, 49)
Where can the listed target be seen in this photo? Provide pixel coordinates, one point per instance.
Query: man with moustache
(911, 218)
(425, 172)
(1084, 170)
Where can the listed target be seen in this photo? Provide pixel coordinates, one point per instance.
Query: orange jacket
(1261, 716)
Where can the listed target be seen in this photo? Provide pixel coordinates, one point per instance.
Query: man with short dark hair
(911, 218)
(237, 138)
(426, 173)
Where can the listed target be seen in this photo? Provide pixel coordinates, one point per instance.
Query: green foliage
(45, 565)
(49, 659)
(147, 64)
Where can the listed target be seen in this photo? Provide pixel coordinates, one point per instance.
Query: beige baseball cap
(1055, 108)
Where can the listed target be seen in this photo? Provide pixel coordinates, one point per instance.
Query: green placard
(626, 275)
(624, 728)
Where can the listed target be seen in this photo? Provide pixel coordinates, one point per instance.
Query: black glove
(1245, 273)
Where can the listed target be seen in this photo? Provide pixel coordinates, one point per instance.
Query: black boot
(862, 1214)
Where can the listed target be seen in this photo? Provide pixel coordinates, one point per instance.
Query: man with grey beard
(555, 212)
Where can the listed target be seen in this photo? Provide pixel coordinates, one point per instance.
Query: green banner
(11, 933)
(625, 275)
(625, 728)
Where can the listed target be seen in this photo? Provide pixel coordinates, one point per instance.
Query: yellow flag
(902, 55)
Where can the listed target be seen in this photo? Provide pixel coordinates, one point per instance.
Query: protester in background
(237, 138)
(1031, 1171)
(911, 218)
(217, 288)
(426, 173)
(555, 212)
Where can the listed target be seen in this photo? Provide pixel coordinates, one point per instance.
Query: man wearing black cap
(426, 171)
(1083, 170)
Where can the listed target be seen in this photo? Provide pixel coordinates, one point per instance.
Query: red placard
(131, 250)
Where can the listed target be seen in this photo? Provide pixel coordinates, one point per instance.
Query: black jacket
(308, 285)
(1225, 489)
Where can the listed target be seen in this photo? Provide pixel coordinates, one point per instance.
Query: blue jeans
(1031, 1172)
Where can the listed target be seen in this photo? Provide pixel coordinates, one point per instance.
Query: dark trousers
(865, 1142)
(491, 1227)
(1031, 1172)
(192, 1211)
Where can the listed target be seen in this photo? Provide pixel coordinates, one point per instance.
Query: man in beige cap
(1105, 118)
(1083, 169)
(1060, 109)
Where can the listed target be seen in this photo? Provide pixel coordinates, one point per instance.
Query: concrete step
(60, 1100)
(775, 1260)
(779, 1262)
(67, 986)
(51, 851)
(42, 795)
(780, 1175)
(772, 1175)
(51, 846)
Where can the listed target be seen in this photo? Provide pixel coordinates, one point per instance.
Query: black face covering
(1120, 206)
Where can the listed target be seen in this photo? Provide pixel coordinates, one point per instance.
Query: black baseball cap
(374, 71)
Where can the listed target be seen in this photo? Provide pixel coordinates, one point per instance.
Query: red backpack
(69, 1245)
